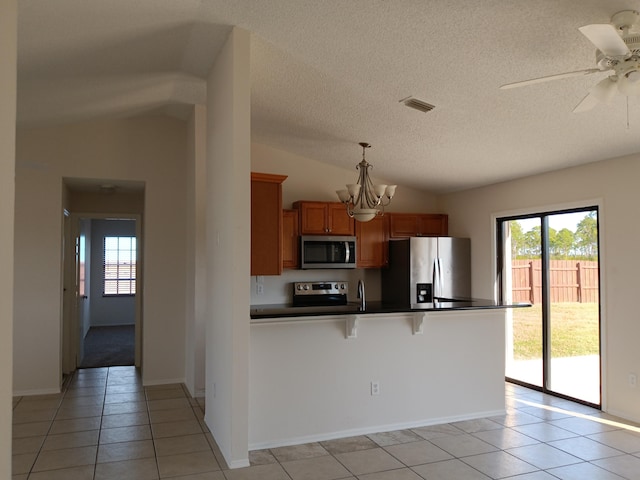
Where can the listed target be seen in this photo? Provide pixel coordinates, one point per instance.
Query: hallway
(106, 426)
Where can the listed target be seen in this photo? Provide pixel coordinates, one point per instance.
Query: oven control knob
(306, 286)
(342, 287)
(336, 286)
(298, 287)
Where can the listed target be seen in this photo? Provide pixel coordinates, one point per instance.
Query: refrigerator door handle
(436, 278)
(441, 273)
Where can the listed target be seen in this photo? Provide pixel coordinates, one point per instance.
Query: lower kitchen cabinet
(402, 225)
(290, 239)
(373, 243)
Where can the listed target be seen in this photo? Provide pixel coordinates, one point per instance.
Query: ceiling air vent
(417, 104)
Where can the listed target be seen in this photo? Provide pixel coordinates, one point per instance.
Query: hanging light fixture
(364, 200)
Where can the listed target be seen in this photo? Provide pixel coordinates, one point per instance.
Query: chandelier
(364, 200)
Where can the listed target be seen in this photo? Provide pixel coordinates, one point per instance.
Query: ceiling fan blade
(601, 92)
(549, 78)
(586, 104)
(605, 90)
(605, 37)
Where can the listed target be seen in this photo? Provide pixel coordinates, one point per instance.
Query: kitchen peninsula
(338, 372)
(322, 372)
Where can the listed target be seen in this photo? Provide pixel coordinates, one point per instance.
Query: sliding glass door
(551, 261)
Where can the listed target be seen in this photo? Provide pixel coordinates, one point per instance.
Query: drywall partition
(311, 179)
(611, 184)
(8, 55)
(310, 383)
(228, 245)
(150, 150)
(196, 284)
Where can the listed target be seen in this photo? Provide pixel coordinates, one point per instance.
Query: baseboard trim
(164, 381)
(371, 429)
(623, 415)
(239, 463)
(37, 391)
(113, 325)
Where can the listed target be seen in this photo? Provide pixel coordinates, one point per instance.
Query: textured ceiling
(329, 74)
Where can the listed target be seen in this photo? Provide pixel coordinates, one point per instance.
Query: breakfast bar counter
(318, 373)
(267, 311)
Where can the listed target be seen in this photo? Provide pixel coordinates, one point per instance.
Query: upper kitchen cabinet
(266, 223)
(324, 218)
(402, 225)
(373, 243)
(290, 238)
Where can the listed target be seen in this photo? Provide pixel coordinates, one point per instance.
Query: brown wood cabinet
(402, 225)
(324, 218)
(373, 243)
(266, 223)
(290, 239)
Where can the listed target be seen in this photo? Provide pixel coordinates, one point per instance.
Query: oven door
(327, 252)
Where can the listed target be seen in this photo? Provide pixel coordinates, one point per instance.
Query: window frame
(125, 259)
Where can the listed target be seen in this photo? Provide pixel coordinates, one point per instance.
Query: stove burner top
(320, 293)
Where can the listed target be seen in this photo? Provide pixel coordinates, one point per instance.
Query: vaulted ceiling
(329, 74)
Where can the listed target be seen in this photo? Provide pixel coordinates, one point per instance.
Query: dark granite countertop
(285, 310)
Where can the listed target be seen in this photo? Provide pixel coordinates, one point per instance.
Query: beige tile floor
(105, 425)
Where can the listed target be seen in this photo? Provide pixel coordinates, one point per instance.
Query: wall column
(8, 85)
(196, 253)
(228, 221)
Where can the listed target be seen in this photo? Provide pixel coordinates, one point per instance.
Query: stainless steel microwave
(319, 251)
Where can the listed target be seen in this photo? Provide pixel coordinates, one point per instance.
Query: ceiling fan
(618, 51)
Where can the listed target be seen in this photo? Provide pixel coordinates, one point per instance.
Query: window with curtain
(119, 266)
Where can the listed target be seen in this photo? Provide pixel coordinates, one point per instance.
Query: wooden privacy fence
(571, 281)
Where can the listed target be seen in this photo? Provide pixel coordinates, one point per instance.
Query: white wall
(612, 184)
(310, 179)
(8, 54)
(108, 311)
(310, 383)
(145, 149)
(228, 246)
(196, 284)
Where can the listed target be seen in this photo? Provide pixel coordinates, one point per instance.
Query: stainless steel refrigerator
(423, 268)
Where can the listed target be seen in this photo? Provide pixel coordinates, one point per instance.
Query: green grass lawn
(574, 330)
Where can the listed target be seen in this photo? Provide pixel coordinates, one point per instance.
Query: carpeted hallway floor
(109, 347)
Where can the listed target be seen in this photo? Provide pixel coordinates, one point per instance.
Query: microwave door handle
(347, 252)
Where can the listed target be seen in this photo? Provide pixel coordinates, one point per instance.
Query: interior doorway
(102, 304)
(104, 328)
(551, 260)
(107, 264)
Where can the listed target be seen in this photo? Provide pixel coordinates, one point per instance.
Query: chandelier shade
(364, 200)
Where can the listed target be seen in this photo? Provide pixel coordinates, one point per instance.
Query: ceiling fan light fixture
(629, 83)
(617, 51)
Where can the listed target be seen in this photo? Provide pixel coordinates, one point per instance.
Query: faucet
(361, 295)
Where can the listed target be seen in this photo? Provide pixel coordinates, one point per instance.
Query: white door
(83, 278)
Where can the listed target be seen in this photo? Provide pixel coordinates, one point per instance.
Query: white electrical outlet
(375, 388)
(259, 289)
(633, 380)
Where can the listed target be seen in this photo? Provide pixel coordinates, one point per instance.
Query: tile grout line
(153, 437)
